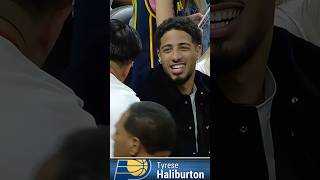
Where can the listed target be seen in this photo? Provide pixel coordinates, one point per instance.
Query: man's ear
(198, 51)
(64, 9)
(65, 4)
(135, 145)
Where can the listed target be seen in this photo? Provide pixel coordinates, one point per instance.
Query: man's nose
(176, 55)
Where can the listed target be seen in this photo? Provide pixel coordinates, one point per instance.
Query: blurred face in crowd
(178, 55)
(237, 29)
(122, 138)
(37, 25)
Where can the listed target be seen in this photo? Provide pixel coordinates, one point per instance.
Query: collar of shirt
(14, 62)
(270, 88)
(264, 113)
(116, 83)
(193, 103)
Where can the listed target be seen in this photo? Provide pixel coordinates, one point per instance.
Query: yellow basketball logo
(137, 167)
(132, 169)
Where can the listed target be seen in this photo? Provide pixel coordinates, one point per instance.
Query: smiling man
(265, 92)
(176, 85)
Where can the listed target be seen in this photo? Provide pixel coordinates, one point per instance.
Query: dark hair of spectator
(181, 23)
(84, 155)
(38, 7)
(125, 43)
(153, 124)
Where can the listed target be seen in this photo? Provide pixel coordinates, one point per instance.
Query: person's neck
(23, 38)
(115, 69)
(187, 87)
(10, 32)
(246, 84)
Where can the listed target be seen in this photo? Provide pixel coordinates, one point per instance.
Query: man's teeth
(177, 66)
(224, 15)
(220, 24)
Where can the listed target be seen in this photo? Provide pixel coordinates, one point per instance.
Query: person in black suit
(176, 85)
(265, 94)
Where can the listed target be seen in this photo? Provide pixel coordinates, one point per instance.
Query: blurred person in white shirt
(125, 44)
(37, 111)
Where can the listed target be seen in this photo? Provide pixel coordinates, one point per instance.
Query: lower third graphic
(132, 169)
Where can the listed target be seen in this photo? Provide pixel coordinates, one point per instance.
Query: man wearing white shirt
(37, 111)
(125, 44)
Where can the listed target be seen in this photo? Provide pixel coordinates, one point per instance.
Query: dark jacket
(159, 88)
(238, 151)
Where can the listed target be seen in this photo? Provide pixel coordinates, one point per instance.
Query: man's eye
(166, 50)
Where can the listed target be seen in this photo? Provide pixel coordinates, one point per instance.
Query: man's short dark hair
(181, 23)
(83, 155)
(37, 7)
(153, 124)
(125, 43)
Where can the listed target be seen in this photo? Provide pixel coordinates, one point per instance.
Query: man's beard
(180, 80)
(227, 60)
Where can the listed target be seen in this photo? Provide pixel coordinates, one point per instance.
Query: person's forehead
(174, 35)
(176, 32)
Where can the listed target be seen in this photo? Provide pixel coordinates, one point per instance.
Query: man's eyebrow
(166, 45)
(180, 44)
(184, 43)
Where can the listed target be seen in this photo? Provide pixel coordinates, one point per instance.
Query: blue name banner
(125, 169)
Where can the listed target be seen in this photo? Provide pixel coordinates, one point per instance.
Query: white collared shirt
(194, 111)
(264, 113)
(121, 97)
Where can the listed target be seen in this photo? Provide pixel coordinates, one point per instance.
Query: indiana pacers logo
(132, 169)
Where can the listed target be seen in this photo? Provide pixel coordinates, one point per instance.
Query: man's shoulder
(118, 89)
(202, 81)
(36, 94)
(289, 47)
(122, 94)
(286, 42)
(202, 76)
(42, 101)
(39, 119)
(295, 62)
(18, 71)
(121, 97)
